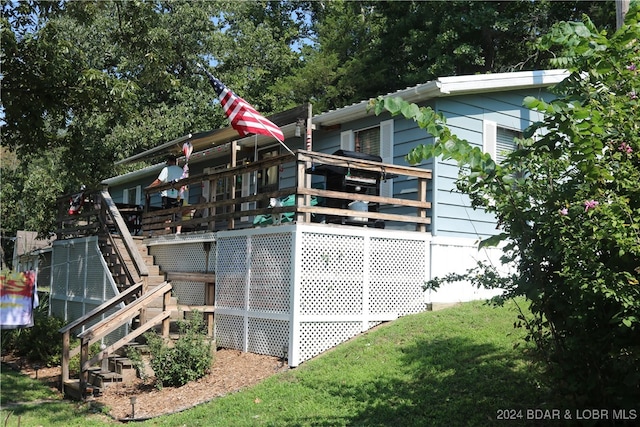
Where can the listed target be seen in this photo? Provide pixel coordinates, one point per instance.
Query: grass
(27, 402)
(452, 367)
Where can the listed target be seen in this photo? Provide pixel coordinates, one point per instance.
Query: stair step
(142, 348)
(104, 379)
(124, 367)
(72, 389)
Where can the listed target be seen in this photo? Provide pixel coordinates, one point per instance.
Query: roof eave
(449, 86)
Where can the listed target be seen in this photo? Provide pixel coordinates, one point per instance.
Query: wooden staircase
(143, 301)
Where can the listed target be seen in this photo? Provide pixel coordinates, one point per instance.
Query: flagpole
(272, 134)
(199, 65)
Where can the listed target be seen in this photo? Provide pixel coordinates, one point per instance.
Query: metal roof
(450, 86)
(209, 139)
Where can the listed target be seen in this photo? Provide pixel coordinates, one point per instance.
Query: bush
(568, 206)
(187, 360)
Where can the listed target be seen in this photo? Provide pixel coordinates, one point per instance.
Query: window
(499, 141)
(377, 140)
(367, 141)
(505, 142)
(132, 196)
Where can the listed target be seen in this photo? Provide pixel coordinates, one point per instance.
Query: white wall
(457, 255)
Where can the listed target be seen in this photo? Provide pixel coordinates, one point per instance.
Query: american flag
(244, 118)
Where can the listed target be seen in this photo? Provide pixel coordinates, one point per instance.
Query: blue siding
(452, 212)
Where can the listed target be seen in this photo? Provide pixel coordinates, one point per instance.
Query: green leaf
(493, 240)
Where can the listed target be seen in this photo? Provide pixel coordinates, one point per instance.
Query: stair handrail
(67, 353)
(123, 230)
(100, 329)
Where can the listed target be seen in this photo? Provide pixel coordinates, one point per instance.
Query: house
(315, 242)
(32, 253)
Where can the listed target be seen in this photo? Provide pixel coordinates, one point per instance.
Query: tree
(88, 83)
(364, 48)
(568, 204)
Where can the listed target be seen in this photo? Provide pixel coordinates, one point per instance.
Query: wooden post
(84, 373)
(145, 288)
(301, 183)
(422, 197)
(210, 300)
(232, 187)
(65, 359)
(166, 322)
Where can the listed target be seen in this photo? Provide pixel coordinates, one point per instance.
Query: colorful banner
(18, 298)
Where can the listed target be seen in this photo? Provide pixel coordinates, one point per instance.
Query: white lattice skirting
(297, 290)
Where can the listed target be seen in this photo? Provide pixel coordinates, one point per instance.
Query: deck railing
(100, 215)
(306, 202)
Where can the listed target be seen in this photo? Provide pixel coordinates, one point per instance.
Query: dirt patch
(232, 371)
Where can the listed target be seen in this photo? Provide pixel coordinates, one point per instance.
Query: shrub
(41, 343)
(187, 360)
(568, 206)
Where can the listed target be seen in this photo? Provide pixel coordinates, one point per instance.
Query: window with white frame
(499, 141)
(375, 140)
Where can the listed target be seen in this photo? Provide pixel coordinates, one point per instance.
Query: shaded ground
(232, 371)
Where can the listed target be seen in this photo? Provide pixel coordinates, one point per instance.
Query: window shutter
(505, 143)
(386, 152)
(346, 140)
(489, 136)
(125, 195)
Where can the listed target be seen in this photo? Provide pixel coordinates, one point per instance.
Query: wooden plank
(372, 215)
(190, 276)
(200, 308)
(365, 198)
(102, 308)
(333, 160)
(107, 325)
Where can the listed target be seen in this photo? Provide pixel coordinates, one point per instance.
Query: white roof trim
(449, 86)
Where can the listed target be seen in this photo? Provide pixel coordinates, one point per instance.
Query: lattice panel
(188, 293)
(271, 271)
(268, 336)
(96, 285)
(81, 282)
(74, 310)
(332, 274)
(183, 257)
(396, 276)
(229, 331)
(316, 337)
(75, 277)
(57, 306)
(231, 273)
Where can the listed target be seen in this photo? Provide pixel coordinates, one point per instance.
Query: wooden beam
(190, 276)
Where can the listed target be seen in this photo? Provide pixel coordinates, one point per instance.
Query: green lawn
(456, 366)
